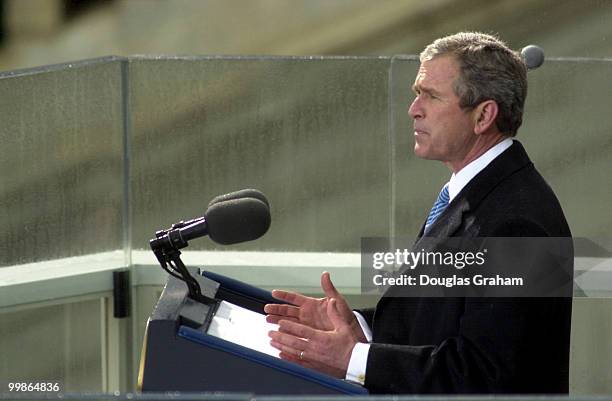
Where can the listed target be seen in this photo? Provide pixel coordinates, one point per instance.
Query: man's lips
(419, 132)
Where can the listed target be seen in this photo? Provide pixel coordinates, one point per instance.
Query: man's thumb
(327, 286)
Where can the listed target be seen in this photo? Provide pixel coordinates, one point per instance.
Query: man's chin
(421, 152)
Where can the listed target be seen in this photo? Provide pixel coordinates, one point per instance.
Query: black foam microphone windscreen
(243, 193)
(237, 220)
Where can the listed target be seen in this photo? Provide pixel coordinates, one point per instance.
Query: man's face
(442, 130)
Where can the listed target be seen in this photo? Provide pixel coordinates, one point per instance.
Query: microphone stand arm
(165, 246)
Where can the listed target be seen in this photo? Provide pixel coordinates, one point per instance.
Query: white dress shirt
(359, 357)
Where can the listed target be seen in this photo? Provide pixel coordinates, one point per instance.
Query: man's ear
(484, 116)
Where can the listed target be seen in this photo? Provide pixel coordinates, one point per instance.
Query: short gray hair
(488, 70)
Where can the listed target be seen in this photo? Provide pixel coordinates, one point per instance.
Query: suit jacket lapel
(450, 221)
(506, 164)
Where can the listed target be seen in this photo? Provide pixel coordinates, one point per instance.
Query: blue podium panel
(240, 293)
(178, 355)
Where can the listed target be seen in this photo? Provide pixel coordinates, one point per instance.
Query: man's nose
(415, 110)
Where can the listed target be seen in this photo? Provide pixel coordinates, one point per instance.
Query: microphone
(226, 222)
(243, 193)
(237, 220)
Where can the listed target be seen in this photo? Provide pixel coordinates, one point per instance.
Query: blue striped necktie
(438, 207)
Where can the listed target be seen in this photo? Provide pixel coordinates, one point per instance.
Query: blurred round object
(533, 56)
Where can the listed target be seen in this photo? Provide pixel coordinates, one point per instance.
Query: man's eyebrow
(427, 90)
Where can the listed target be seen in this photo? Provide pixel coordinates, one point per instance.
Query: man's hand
(313, 312)
(328, 349)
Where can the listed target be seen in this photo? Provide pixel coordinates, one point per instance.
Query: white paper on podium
(243, 327)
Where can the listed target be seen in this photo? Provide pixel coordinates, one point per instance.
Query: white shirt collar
(459, 180)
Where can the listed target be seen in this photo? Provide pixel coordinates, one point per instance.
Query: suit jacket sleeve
(499, 349)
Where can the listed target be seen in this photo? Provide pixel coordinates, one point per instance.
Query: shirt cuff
(364, 326)
(357, 365)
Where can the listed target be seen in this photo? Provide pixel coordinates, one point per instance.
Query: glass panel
(567, 131)
(328, 140)
(60, 343)
(591, 348)
(311, 133)
(61, 162)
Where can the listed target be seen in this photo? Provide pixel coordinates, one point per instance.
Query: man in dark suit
(470, 93)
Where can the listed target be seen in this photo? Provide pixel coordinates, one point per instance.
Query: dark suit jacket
(479, 345)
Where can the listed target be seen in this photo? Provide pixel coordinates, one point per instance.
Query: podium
(178, 354)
